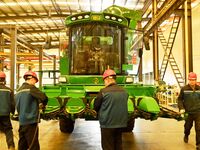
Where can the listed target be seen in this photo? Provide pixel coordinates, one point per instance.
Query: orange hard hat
(2, 74)
(108, 73)
(192, 76)
(30, 74)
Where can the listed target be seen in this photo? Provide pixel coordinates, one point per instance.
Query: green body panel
(140, 90)
(131, 107)
(133, 15)
(79, 93)
(88, 80)
(64, 66)
(53, 105)
(52, 93)
(93, 89)
(147, 104)
(87, 17)
(75, 105)
(73, 93)
(98, 41)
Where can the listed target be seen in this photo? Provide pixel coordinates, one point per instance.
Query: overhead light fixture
(113, 18)
(46, 3)
(107, 17)
(119, 19)
(62, 79)
(80, 17)
(195, 3)
(41, 22)
(86, 16)
(73, 18)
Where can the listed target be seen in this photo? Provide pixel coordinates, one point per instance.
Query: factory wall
(177, 50)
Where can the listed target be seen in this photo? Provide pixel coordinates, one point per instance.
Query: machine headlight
(113, 18)
(119, 19)
(62, 79)
(80, 17)
(129, 79)
(73, 18)
(107, 17)
(86, 16)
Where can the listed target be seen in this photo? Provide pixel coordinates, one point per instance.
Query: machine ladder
(168, 56)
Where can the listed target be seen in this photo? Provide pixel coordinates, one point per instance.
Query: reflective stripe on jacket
(28, 98)
(111, 105)
(189, 99)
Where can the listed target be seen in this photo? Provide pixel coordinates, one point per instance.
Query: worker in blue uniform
(7, 106)
(189, 102)
(29, 100)
(111, 106)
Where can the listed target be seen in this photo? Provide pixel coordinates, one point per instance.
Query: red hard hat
(192, 76)
(31, 73)
(2, 74)
(108, 73)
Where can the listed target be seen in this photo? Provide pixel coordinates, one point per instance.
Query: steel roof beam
(42, 40)
(52, 46)
(19, 54)
(33, 17)
(33, 62)
(162, 15)
(20, 41)
(42, 31)
(146, 6)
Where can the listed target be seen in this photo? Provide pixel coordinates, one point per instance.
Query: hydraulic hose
(36, 130)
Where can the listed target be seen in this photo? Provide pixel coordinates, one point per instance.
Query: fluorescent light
(41, 22)
(96, 5)
(195, 3)
(46, 3)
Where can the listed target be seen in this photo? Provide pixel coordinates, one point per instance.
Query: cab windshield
(94, 48)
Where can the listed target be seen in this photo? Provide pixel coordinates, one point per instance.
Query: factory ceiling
(37, 21)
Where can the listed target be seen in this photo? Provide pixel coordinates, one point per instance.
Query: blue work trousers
(28, 137)
(6, 127)
(111, 138)
(189, 123)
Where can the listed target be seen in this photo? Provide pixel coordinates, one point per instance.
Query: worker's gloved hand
(14, 117)
(182, 111)
(42, 107)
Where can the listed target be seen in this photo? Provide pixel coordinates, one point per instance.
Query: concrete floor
(162, 134)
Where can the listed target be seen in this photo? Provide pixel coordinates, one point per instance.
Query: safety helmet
(108, 73)
(30, 74)
(2, 74)
(192, 76)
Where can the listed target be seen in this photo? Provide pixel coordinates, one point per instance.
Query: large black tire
(66, 125)
(130, 125)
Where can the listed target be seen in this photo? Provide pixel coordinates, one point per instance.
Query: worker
(111, 106)
(189, 102)
(7, 106)
(29, 100)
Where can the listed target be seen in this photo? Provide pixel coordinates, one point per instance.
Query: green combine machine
(98, 41)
